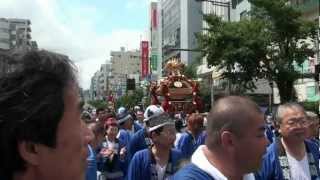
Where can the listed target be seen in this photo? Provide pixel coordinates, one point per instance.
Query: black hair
(99, 109)
(178, 125)
(133, 115)
(31, 103)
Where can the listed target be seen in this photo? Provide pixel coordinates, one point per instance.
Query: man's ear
(152, 134)
(29, 152)
(227, 139)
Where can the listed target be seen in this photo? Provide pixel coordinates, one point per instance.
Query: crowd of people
(136, 144)
(45, 134)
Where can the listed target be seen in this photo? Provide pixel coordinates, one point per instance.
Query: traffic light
(131, 84)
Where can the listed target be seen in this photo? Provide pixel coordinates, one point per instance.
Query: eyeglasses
(295, 121)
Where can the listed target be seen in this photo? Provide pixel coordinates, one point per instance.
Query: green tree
(129, 100)
(190, 71)
(265, 45)
(98, 104)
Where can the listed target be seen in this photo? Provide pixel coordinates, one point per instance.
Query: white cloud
(135, 4)
(74, 36)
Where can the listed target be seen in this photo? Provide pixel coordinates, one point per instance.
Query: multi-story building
(240, 9)
(155, 39)
(16, 33)
(222, 11)
(124, 65)
(4, 34)
(100, 82)
(20, 33)
(94, 86)
(180, 21)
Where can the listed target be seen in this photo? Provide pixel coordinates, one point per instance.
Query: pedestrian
(235, 143)
(160, 161)
(141, 140)
(41, 134)
(179, 127)
(127, 129)
(98, 131)
(139, 115)
(127, 126)
(313, 128)
(193, 137)
(100, 113)
(111, 158)
(291, 156)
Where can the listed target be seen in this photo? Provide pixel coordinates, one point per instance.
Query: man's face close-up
(167, 136)
(294, 124)
(252, 144)
(68, 159)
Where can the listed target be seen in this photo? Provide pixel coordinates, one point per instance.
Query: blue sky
(106, 15)
(84, 30)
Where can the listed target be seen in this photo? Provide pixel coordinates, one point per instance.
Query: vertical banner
(154, 18)
(154, 62)
(144, 59)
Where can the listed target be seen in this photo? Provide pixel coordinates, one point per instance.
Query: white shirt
(178, 136)
(113, 146)
(199, 159)
(299, 170)
(160, 171)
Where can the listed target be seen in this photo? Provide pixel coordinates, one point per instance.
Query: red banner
(154, 18)
(144, 59)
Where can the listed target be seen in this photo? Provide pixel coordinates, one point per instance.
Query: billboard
(144, 58)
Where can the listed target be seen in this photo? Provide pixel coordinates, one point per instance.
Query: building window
(3, 40)
(235, 3)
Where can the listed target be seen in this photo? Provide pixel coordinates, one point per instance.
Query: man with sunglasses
(159, 161)
(291, 156)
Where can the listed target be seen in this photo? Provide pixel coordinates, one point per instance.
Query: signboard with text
(144, 59)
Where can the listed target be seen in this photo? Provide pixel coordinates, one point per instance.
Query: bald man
(235, 142)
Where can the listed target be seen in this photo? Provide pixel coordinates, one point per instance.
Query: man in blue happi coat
(234, 146)
(193, 137)
(313, 128)
(97, 129)
(127, 127)
(159, 161)
(291, 156)
(141, 140)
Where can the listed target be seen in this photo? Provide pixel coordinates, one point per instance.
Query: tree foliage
(129, 100)
(265, 45)
(190, 71)
(98, 104)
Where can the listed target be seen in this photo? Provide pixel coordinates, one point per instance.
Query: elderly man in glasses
(291, 156)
